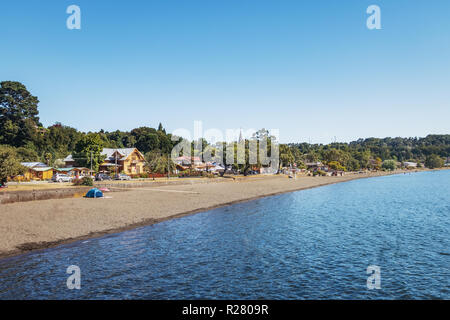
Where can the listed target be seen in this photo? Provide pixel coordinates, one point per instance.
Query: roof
(33, 164)
(64, 169)
(124, 152)
(81, 169)
(109, 152)
(41, 169)
(183, 158)
(68, 158)
(310, 164)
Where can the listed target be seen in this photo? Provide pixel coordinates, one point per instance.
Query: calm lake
(310, 244)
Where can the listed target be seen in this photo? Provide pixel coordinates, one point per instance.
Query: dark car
(102, 177)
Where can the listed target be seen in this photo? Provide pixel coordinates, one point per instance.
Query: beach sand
(34, 225)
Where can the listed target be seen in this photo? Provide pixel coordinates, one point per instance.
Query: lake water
(310, 244)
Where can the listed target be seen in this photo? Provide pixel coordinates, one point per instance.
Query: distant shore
(42, 224)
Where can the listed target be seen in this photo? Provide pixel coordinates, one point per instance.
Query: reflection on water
(311, 244)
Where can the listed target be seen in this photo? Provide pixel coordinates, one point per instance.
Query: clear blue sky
(309, 68)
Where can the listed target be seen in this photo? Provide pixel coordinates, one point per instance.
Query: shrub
(389, 165)
(85, 181)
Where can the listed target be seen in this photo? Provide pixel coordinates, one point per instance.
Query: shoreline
(259, 185)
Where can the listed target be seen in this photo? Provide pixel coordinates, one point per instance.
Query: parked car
(122, 176)
(60, 177)
(102, 177)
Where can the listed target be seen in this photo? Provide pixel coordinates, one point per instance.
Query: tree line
(23, 138)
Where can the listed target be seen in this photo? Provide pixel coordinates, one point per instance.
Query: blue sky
(311, 69)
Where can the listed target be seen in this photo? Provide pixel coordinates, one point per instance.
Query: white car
(122, 176)
(59, 177)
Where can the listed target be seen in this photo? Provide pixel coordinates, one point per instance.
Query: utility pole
(115, 158)
(168, 167)
(91, 162)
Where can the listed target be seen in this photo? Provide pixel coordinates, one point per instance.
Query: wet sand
(40, 224)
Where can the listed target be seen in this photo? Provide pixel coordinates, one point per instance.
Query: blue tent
(94, 193)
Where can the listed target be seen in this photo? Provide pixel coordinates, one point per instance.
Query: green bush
(85, 181)
(389, 165)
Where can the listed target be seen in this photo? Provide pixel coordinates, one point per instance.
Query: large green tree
(18, 114)
(389, 165)
(159, 163)
(434, 161)
(89, 150)
(9, 164)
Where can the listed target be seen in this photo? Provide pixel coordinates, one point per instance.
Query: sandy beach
(40, 224)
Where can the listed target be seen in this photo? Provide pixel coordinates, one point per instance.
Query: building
(69, 162)
(127, 160)
(186, 161)
(407, 164)
(36, 171)
(314, 166)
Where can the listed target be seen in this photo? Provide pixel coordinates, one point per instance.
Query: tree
(59, 163)
(434, 161)
(60, 140)
(158, 163)
(27, 154)
(335, 165)
(89, 147)
(18, 114)
(286, 156)
(48, 158)
(147, 139)
(161, 128)
(389, 165)
(378, 163)
(9, 164)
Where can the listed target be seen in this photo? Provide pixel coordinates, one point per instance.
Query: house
(314, 166)
(69, 162)
(407, 164)
(127, 160)
(204, 166)
(36, 171)
(186, 161)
